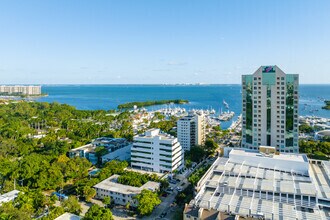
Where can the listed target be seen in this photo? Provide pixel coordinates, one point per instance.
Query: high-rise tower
(191, 131)
(270, 110)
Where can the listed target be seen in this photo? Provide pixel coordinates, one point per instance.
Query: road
(166, 203)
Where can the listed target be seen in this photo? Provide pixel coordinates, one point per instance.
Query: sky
(155, 41)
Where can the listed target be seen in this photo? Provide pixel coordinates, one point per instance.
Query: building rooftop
(191, 210)
(112, 185)
(205, 214)
(282, 156)
(251, 189)
(284, 161)
(111, 144)
(155, 132)
(324, 133)
(68, 216)
(187, 118)
(87, 147)
(9, 196)
(320, 173)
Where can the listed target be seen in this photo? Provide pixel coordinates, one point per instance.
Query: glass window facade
(270, 114)
(249, 108)
(289, 122)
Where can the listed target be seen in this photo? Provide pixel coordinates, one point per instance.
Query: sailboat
(225, 104)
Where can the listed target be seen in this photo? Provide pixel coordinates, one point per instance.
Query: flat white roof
(282, 156)
(154, 133)
(68, 216)
(84, 147)
(112, 185)
(9, 196)
(257, 189)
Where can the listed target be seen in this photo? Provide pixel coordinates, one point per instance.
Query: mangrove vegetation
(130, 105)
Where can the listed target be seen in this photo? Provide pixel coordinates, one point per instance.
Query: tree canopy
(34, 141)
(315, 149)
(210, 146)
(25, 206)
(197, 175)
(72, 205)
(150, 103)
(147, 200)
(95, 212)
(305, 128)
(136, 179)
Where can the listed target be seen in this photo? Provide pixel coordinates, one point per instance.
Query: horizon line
(137, 84)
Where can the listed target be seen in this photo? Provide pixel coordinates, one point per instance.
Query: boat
(226, 116)
(225, 104)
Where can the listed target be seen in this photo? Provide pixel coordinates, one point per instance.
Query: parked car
(163, 214)
(172, 181)
(169, 190)
(179, 189)
(164, 194)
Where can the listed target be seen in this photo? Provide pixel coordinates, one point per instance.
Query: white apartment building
(157, 152)
(21, 90)
(191, 131)
(122, 194)
(270, 110)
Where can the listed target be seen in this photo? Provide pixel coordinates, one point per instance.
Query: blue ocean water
(91, 97)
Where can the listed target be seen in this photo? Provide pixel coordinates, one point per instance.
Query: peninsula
(151, 103)
(327, 105)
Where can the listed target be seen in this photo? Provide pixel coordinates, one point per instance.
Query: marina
(212, 118)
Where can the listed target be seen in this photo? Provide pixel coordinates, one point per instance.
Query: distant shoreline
(23, 96)
(162, 84)
(130, 105)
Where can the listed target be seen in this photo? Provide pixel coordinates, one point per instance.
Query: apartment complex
(122, 194)
(20, 90)
(191, 131)
(115, 149)
(270, 109)
(267, 186)
(156, 151)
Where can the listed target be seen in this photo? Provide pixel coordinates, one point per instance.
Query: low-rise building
(321, 135)
(117, 149)
(87, 151)
(192, 212)
(266, 185)
(9, 196)
(122, 194)
(68, 216)
(156, 151)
